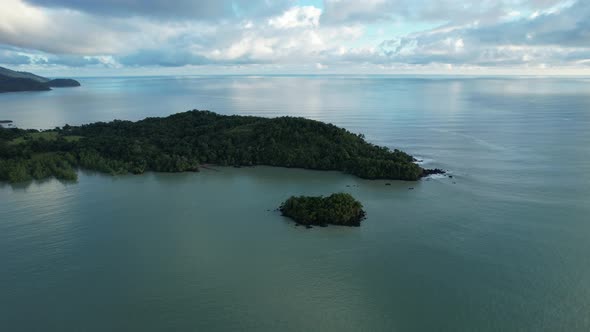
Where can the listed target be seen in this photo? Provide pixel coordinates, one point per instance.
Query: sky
(150, 37)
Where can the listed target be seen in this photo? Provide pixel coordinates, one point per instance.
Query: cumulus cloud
(154, 33)
(138, 41)
(558, 37)
(287, 38)
(297, 17)
(60, 32)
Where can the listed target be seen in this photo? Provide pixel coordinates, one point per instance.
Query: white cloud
(297, 17)
(469, 34)
(556, 37)
(338, 11)
(60, 31)
(459, 45)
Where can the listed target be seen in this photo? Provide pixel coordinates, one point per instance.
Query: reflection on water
(498, 247)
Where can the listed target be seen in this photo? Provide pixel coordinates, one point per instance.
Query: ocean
(503, 245)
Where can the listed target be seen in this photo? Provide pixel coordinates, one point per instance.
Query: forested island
(336, 209)
(184, 141)
(16, 81)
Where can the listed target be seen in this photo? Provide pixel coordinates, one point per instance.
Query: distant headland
(184, 141)
(15, 81)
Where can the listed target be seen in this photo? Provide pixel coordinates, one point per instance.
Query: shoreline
(350, 181)
(191, 140)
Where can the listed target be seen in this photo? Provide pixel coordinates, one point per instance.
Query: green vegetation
(183, 141)
(337, 209)
(9, 84)
(21, 74)
(42, 135)
(14, 81)
(63, 83)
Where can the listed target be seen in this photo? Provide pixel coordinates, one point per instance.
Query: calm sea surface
(502, 246)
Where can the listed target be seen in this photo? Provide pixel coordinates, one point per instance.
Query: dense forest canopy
(183, 141)
(9, 84)
(336, 209)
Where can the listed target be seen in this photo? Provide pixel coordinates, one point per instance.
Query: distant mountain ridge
(15, 81)
(21, 74)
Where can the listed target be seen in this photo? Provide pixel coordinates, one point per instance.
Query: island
(185, 141)
(63, 83)
(336, 209)
(16, 81)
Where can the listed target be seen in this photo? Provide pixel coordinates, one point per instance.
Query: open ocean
(504, 245)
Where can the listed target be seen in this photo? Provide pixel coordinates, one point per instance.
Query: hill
(14, 84)
(15, 81)
(21, 74)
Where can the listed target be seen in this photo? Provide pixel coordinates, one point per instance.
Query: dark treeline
(337, 209)
(16, 84)
(183, 141)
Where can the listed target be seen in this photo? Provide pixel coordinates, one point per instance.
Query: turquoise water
(502, 246)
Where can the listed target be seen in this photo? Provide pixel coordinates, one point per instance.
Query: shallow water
(501, 246)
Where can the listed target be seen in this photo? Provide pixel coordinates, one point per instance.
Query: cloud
(297, 17)
(139, 41)
(320, 66)
(73, 60)
(14, 56)
(185, 9)
(568, 26)
(556, 37)
(347, 11)
(134, 34)
(60, 32)
(8, 57)
(163, 58)
(368, 11)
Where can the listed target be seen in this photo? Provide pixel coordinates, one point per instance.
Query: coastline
(185, 141)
